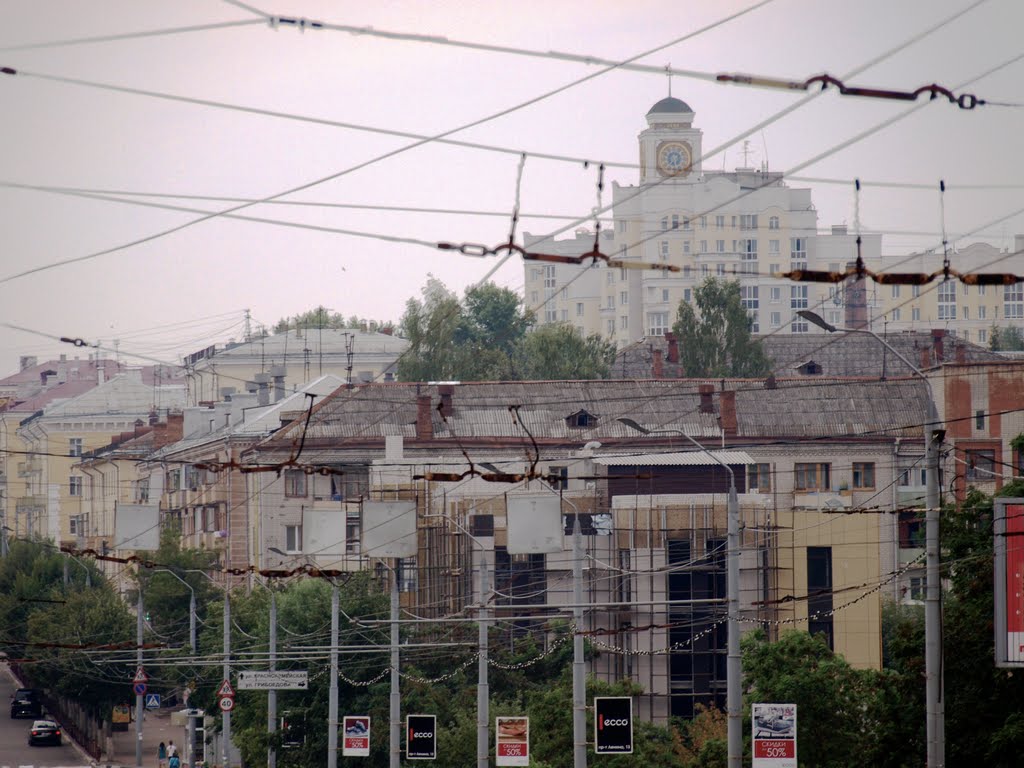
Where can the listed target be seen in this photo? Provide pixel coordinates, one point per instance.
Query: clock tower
(670, 147)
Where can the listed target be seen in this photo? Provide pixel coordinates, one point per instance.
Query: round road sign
(226, 704)
(140, 689)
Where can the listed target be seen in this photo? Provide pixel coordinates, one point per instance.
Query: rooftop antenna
(668, 72)
(764, 143)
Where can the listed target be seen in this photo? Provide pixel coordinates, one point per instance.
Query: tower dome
(669, 105)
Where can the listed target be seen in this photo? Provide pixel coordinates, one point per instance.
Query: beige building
(276, 365)
(652, 508)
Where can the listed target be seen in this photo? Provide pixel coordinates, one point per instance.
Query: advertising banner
(1008, 547)
(355, 736)
(421, 737)
(613, 725)
(513, 740)
(774, 727)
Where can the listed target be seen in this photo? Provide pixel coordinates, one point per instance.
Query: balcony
(822, 500)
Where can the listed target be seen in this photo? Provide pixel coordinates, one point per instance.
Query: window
(687, 295)
(979, 419)
(686, 270)
(294, 483)
(981, 290)
(703, 222)
(1013, 301)
(75, 486)
(775, 294)
(720, 222)
(982, 336)
(579, 309)
(915, 291)
(799, 325)
(675, 221)
(686, 246)
(775, 319)
(980, 465)
(481, 525)
(703, 246)
(915, 314)
(582, 419)
(895, 315)
(748, 296)
(550, 315)
(748, 221)
(622, 270)
(293, 538)
(562, 475)
(565, 315)
(798, 297)
(664, 248)
(773, 222)
(74, 446)
(533, 298)
(967, 314)
(657, 323)
(686, 223)
(834, 317)
(947, 300)
(609, 277)
(773, 246)
(192, 481)
(863, 474)
(174, 480)
(549, 276)
(623, 322)
(623, 298)
(621, 225)
(719, 246)
(720, 270)
(812, 477)
(798, 253)
(610, 302)
(895, 291)
(982, 312)
(759, 476)
(819, 591)
(610, 326)
(911, 530)
(664, 294)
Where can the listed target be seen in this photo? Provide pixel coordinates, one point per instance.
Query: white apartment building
(749, 225)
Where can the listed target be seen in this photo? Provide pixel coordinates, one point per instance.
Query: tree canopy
(322, 317)
(1007, 338)
(714, 334)
(487, 336)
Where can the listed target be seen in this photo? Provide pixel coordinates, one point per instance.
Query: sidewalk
(156, 727)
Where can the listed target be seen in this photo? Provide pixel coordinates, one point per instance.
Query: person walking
(172, 751)
(161, 754)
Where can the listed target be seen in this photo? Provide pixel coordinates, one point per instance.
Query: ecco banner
(613, 725)
(421, 737)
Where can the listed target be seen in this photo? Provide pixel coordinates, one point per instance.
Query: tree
(559, 351)
(433, 326)
(322, 317)
(714, 339)
(1006, 339)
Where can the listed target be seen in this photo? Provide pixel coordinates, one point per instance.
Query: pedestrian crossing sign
(152, 701)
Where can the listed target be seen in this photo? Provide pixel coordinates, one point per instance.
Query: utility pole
(272, 693)
(734, 662)
(395, 712)
(935, 707)
(332, 701)
(579, 668)
(226, 734)
(193, 752)
(483, 691)
(139, 618)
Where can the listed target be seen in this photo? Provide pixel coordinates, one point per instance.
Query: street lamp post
(192, 644)
(933, 436)
(734, 662)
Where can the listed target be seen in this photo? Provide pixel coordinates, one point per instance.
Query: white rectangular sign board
(534, 523)
(279, 680)
(389, 528)
(774, 727)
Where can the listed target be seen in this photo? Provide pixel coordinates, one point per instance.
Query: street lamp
(734, 662)
(933, 436)
(192, 644)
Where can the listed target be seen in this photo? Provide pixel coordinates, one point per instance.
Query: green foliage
(559, 351)
(486, 336)
(714, 339)
(321, 317)
(1006, 339)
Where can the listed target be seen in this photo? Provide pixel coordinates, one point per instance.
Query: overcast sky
(179, 292)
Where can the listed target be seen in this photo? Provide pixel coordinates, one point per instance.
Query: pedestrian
(174, 762)
(161, 754)
(172, 751)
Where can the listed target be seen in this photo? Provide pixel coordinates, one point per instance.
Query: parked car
(26, 701)
(44, 732)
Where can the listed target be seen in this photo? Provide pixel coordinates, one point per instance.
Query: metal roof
(679, 459)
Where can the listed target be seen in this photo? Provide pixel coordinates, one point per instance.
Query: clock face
(674, 158)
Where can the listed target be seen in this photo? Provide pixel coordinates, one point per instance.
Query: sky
(115, 275)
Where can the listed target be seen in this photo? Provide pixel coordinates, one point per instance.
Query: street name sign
(774, 731)
(613, 725)
(277, 680)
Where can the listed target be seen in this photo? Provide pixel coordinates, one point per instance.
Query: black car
(44, 732)
(26, 701)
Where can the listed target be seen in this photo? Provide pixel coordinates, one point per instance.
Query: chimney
(961, 354)
(938, 334)
(925, 358)
(855, 301)
(673, 347)
(278, 372)
(446, 391)
(657, 363)
(169, 432)
(770, 382)
(727, 411)
(706, 392)
(154, 418)
(424, 418)
(101, 371)
(262, 388)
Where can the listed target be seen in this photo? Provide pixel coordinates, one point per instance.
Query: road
(14, 749)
